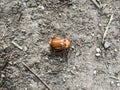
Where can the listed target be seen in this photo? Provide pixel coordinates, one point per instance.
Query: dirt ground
(90, 64)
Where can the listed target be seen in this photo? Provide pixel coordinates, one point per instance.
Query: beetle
(59, 43)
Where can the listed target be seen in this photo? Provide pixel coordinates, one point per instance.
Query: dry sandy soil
(90, 64)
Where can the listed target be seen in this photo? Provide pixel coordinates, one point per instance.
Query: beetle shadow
(59, 56)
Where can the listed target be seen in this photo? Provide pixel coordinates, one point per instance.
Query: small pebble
(115, 50)
(97, 54)
(99, 24)
(98, 50)
(41, 7)
(112, 83)
(74, 67)
(25, 48)
(77, 53)
(110, 72)
(64, 80)
(93, 34)
(107, 45)
(2, 75)
(95, 72)
(118, 84)
(72, 47)
(10, 62)
(61, 59)
(46, 58)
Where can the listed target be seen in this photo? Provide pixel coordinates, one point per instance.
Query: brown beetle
(59, 43)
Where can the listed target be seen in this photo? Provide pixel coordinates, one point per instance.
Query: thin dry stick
(67, 2)
(107, 27)
(96, 4)
(36, 76)
(18, 46)
(20, 15)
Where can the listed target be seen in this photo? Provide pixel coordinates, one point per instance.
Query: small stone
(97, 54)
(2, 75)
(112, 83)
(98, 50)
(25, 48)
(64, 80)
(61, 59)
(49, 71)
(10, 62)
(115, 50)
(99, 24)
(95, 72)
(118, 84)
(74, 67)
(72, 47)
(93, 34)
(60, 14)
(41, 7)
(107, 45)
(78, 53)
(46, 58)
(110, 72)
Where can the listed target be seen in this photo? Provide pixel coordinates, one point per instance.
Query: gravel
(107, 45)
(98, 50)
(97, 54)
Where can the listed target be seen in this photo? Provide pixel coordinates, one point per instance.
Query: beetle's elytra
(59, 43)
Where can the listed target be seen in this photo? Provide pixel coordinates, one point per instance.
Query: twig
(96, 4)
(19, 17)
(107, 27)
(36, 76)
(112, 77)
(18, 46)
(66, 2)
